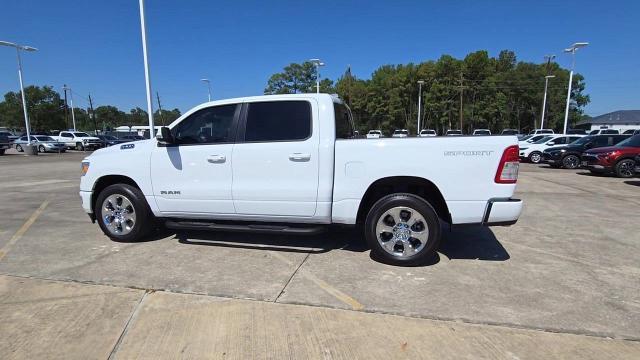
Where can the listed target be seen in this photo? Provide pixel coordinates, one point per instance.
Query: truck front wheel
(79, 147)
(122, 213)
(402, 229)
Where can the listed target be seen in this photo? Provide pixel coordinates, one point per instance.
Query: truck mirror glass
(166, 136)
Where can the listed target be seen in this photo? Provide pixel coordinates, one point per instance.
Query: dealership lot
(569, 265)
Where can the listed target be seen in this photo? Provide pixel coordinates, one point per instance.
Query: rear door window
(344, 123)
(278, 121)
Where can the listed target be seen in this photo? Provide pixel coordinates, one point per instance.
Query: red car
(618, 159)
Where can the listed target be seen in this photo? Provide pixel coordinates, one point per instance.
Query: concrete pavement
(64, 320)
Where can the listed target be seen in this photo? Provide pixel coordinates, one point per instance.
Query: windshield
(81, 134)
(428, 132)
(543, 140)
(536, 138)
(582, 141)
(44, 138)
(633, 141)
(374, 132)
(483, 132)
(400, 132)
(454, 132)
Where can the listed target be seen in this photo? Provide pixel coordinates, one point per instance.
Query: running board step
(245, 227)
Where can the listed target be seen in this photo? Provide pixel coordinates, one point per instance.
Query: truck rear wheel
(122, 213)
(402, 229)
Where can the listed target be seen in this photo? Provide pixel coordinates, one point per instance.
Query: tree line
(485, 92)
(48, 111)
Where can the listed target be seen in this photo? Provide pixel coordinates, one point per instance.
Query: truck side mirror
(166, 136)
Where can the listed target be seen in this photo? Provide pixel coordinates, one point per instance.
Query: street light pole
(208, 87)
(544, 100)
(420, 82)
(317, 63)
(571, 50)
(143, 30)
(24, 101)
(73, 114)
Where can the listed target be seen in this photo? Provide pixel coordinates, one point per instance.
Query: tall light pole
(317, 63)
(571, 50)
(208, 86)
(143, 30)
(420, 82)
(73, 114)
(544, 100)
(24, 102)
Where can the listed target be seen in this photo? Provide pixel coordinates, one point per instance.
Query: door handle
(216, 159)
(299, 157)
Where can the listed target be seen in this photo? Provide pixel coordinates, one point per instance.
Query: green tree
(43, 105)
(296, 78)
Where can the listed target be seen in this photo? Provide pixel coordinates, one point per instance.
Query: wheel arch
(107, 180)
(418, 186)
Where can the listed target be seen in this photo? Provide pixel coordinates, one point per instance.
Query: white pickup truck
(290, 164)
(78, 140)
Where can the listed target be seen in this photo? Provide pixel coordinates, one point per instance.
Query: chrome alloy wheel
(536, 157)
(118, 214)
(627, 168)
(402, 231)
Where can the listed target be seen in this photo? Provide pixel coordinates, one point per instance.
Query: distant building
(621, 120)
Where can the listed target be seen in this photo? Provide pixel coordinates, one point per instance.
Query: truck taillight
(508, 168)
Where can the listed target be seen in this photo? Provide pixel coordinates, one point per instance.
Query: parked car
(510, 132)
(5, 143)
(530, 139)
(110, 140)
(400, 133)
(78, 140)
(604, 132)
(277, 167)
(576, 132)
(541, 131)
(41, 142)
(481, 132)
(9, 135)
(533, 151)
(374, 134)
(453, 133)
(132, 137)
(427, 133)
(568, 156)
(618, 159)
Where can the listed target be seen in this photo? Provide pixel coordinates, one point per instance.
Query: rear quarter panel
(463, 168)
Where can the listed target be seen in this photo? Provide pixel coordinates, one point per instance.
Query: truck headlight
(84, 168)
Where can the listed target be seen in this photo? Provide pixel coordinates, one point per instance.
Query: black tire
(535, 157)
(625, 168)
(41, 149)
(19, 148)
(394, 256)
(144, 220)
(571, 161)
(79, 147)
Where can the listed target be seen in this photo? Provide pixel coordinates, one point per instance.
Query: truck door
(275, 164)
(193, 176)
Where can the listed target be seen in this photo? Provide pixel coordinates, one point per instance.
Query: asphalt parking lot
(570, 265)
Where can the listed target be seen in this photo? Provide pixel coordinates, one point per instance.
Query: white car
(374, 134)
(400, 133)
(478, 132)
(604, 132)
(542, 132)
(533, 151)
(427, 133)
(78, 140)
(289, 164)
(453, 133)
(525, 141)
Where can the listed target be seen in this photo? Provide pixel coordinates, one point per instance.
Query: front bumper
(502, 212)
(85, 196)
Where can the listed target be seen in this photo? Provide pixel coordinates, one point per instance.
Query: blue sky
(95, 46)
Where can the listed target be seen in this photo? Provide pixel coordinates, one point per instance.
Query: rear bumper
(502, 212)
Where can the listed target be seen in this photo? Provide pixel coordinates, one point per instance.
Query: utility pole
(93, 115)
(66, 107)
(461, 96)
(160, 109)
